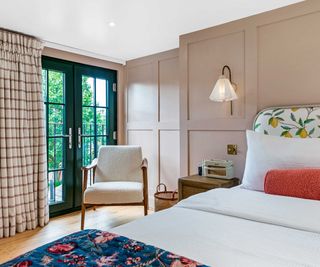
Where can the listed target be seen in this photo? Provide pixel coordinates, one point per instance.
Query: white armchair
(119, 178)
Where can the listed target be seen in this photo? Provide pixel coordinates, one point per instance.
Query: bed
(222, 227)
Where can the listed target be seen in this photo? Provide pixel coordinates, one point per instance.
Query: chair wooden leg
(83, 214)
(145, 206)
(94, 208)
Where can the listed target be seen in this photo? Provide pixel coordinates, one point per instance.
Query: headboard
(298, 121)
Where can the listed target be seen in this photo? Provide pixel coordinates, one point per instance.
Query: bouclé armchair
(119, 177)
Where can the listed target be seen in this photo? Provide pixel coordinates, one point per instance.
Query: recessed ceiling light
(112, 24)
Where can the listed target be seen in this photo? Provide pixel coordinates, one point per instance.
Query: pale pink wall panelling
(145, 139)
(274, 58)
(142, 96)
(152, 98)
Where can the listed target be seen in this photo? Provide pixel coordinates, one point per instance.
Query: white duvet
(231, 228)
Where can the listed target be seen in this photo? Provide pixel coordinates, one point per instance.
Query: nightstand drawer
(195, 184)
(188, 191)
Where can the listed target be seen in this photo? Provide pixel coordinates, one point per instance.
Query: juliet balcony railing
(94, 135)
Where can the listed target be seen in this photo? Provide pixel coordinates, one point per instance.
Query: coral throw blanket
(98, 248)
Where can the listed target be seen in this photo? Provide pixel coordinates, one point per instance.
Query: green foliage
(93, 120)
(54, 94)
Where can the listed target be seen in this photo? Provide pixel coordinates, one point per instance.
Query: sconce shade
(223, 91)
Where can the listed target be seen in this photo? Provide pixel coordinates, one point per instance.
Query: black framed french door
(57, 85)
(95, 123)
(80, 104)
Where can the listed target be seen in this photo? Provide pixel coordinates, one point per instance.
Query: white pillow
(266, 152)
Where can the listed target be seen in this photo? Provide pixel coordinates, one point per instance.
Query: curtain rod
(17, 32)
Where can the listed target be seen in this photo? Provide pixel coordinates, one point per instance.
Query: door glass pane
(55, 186)
(87, 91)
(55, 120)
(94, 117)
(88, 149)
(101, 141)
(55, 153)
(56, 86)
(101, 94)
(88, 126)
(101, 121)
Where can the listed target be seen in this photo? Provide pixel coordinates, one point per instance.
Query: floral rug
(98, 248)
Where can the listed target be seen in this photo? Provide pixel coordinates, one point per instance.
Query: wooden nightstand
(196, 184)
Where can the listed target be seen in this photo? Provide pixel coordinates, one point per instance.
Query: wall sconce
(224, 89)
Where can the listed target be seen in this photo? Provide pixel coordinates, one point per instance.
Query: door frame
(75, 102)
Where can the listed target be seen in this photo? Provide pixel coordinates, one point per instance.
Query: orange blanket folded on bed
(301, 183)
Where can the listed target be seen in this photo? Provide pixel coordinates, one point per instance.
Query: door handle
(79, 137)
(69, 136)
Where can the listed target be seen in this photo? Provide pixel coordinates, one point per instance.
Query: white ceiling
(143, 27)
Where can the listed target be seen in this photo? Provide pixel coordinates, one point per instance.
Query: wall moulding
(155, 79)
(269, 53)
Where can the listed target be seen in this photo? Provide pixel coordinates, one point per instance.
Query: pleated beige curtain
(23, 182)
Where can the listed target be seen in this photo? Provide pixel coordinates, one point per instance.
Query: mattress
(235, 228)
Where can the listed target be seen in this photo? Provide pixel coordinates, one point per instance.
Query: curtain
(23, 181)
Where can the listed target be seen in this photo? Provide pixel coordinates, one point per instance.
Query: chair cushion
(114, 193)
(119, 163)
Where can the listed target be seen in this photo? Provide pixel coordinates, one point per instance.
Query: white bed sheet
(222, 240)
(297, 213)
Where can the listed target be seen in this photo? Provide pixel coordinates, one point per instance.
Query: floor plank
(102, 218)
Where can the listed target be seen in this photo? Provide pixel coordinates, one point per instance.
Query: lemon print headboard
(298, 122)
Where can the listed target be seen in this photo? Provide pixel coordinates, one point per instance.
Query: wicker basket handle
(159, 188)
(174, 193)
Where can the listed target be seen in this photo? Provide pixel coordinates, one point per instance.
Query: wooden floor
(102, 218)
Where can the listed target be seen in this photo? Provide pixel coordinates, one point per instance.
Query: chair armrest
(92, 165)
(85, 170)
(144, 168)
(144, 164)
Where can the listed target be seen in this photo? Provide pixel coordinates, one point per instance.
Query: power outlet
(232, 149)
